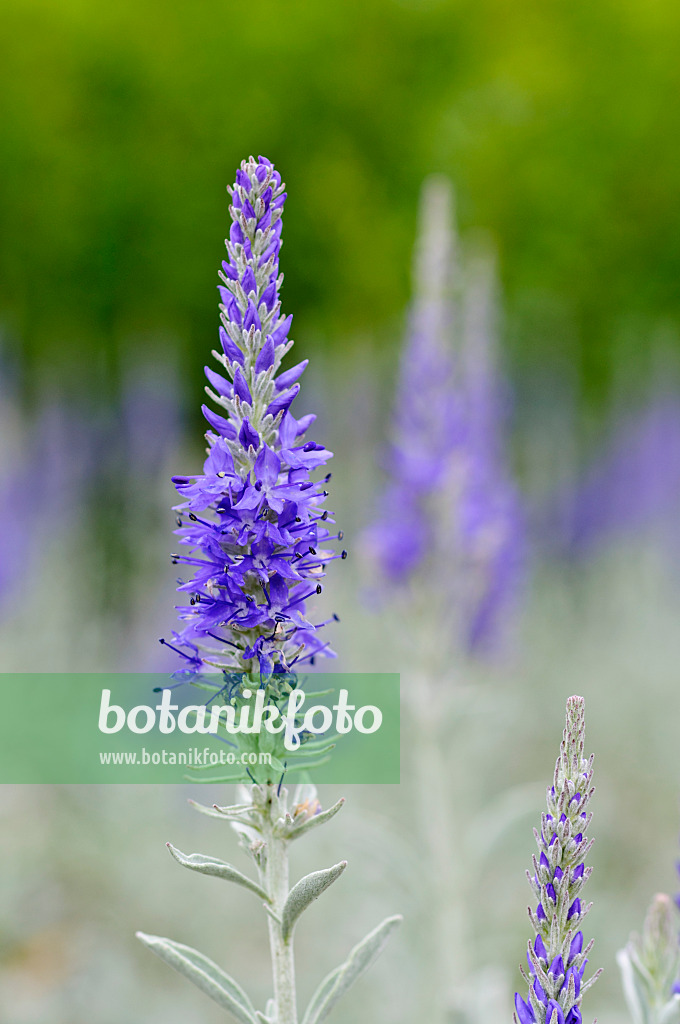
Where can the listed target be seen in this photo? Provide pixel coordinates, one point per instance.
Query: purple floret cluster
(557, 959)
(256, 523)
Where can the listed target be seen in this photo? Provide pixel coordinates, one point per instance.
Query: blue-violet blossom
(557, 958)
(256, 519)
(449, 514)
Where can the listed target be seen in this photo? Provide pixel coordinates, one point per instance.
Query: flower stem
(275, 879)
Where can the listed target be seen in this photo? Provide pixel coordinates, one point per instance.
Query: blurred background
(559, 129)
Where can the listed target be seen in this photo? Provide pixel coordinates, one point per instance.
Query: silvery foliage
(650, 964)
(266, 826)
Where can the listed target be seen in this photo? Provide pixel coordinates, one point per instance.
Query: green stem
(275, 878)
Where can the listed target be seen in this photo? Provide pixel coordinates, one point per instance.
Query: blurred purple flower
(557, 958)
(40, 485)
(633, 485)
(449, 510)
(256, 549)
(151, 417)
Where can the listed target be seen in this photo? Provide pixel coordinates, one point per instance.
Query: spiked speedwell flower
(256, 548)
(557, 959)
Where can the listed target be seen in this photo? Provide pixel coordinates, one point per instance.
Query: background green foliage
(122, 123)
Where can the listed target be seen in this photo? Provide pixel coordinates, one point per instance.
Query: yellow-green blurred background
(120, 126)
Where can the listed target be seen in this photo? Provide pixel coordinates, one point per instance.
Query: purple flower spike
(556, 885)
(258, 544)
(449, 518)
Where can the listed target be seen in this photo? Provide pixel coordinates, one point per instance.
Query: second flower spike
(557, 959)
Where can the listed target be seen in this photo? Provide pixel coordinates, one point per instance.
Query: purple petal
(553, 1013)
(267, 466)
(287, 430)
(575, 908)
(251, 319)
(222, 386)
(248, 436)
(540, 994)
(224, 427)
(576, 946)
(284, 380)
(248, 282)
(283, 401)
(305, 422)
(269, 295)
(524, 1011)
(230, 348)
(280, 335)
(249, 499)
(265, 357)
(278, 591)
(241, 388)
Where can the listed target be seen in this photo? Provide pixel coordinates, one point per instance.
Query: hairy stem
(275, 879)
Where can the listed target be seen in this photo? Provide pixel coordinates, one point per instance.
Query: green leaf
(305, 892)
(217, 869)
(224, 813)
(206, 975)
(334, 985)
